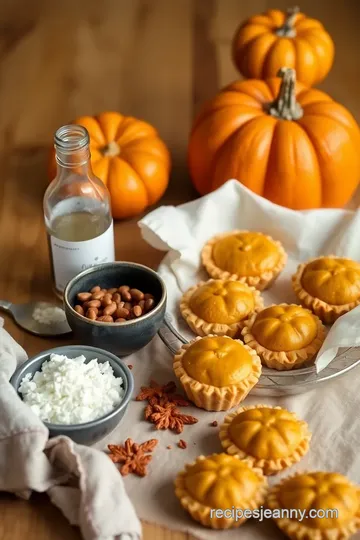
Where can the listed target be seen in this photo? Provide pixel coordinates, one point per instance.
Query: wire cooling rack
(279, 383)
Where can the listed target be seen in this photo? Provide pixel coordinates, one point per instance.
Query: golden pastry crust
(329, 286)
(196, 365)
(317, 491)
(270, 438)
(254, 258)
(235, 484)
(219, 306)
(276, 327)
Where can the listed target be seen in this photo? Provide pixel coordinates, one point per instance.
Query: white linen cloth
(79, 480)
(183, 231)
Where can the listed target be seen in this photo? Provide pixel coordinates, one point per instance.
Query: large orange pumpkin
(128, 155)
(265, 43)
(292, 144)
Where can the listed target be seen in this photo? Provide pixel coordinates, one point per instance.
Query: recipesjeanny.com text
(278, 513)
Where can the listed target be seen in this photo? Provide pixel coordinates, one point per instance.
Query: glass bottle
(77, 210)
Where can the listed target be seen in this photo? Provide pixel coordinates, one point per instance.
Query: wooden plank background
(154, 59)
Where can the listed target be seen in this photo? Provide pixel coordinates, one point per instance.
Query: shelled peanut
(118, 304)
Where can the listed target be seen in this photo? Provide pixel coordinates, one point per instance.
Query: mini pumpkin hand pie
(316, 494)
(217, 372)
(220, 482)
(329, 286)
(271, 438)
(250, 257)
(219, 306)
(285, 336)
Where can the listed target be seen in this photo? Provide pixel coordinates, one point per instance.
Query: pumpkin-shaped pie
(328, 505)
(217, 372)
(329, 286)
(220, 482)
(219, 306)
(251, 257)
(271, 438)
(285, 336)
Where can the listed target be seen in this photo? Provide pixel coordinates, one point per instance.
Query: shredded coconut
(70, 391)
(49, 315)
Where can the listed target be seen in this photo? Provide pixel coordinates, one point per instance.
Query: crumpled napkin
(182, 232)
(81, 481)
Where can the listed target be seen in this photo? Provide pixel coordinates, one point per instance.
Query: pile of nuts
(118, 304)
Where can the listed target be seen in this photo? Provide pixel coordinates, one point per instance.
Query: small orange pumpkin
(291, 144)
(265, 43)
(128, 155)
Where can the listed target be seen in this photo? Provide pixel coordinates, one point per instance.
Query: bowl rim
(97, 268)
(78, 348)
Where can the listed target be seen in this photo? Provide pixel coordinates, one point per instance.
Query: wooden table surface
(155, 59)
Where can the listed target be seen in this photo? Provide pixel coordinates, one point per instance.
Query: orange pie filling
(219, 306)
(284, 328)
(272, 438)
(335, 281)
(284, 336)
(251, 257)
(218, 361)
(246, 254)
(329, 286)
(219, 481)
(224, 302)
(217, 372)
(315, 494)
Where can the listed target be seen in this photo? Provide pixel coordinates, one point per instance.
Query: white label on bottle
(71, 258)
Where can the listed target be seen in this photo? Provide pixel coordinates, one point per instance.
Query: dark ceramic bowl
(120, 338)
(89, 432)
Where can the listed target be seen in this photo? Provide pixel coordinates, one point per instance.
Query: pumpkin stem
(287, 29)
(112, 149)
(285, 105)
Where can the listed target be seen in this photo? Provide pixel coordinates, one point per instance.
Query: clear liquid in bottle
(77, 211)
(79, 226)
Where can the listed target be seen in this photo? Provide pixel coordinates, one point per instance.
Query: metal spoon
(23, 316)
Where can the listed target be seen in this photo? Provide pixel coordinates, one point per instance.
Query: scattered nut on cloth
(29, 461)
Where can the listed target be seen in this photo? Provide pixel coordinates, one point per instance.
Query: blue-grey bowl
(122, 338)
(90, 432)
